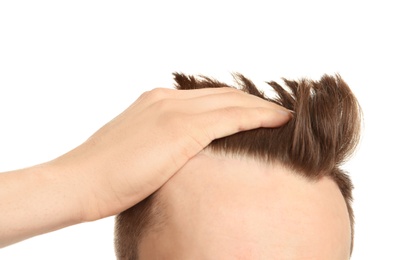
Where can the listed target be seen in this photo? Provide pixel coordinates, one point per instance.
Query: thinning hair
(322, 135)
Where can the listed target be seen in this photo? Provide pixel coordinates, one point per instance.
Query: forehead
(239, 206)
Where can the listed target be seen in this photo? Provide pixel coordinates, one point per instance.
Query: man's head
(260, 194)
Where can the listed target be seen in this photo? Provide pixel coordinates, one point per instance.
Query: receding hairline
(322, 186)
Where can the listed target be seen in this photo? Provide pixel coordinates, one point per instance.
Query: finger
(194, 93)
(216, 101)
(227, 121)
(163, 94)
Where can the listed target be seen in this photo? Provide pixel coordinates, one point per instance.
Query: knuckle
(242, 117)
(156, 94)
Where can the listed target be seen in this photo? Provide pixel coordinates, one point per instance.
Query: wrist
(69, 190)
(88, 187)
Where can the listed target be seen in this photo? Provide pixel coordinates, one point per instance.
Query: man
(260, 194)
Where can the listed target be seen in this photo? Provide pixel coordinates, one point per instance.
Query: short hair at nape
(322, 135)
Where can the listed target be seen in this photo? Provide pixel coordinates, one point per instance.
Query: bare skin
(219, 207)
(126, 160)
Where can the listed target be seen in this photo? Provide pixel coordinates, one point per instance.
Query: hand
(127, 159)
(137, 152)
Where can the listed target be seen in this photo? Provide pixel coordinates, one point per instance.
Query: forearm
(35, 201)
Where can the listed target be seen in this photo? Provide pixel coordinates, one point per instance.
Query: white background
(68, 67)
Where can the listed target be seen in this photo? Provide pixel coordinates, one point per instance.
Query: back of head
(321, 136)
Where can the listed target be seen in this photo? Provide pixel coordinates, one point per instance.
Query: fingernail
(286, 112)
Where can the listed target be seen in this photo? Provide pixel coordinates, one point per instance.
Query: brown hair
(323, 133)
